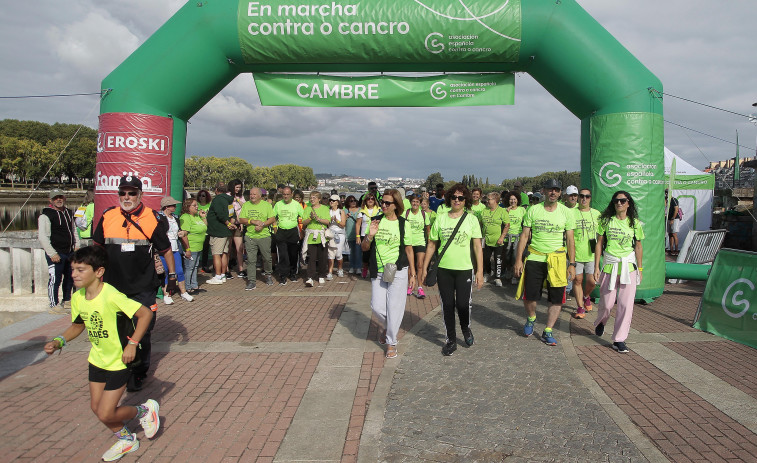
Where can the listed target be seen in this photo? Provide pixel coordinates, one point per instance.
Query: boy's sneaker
(121, 448)
(309, 282)
(242, 274)
(167, 300)
(449, 348)
(151, 421)
(187, 297)
(528, 328)
(497, 282)
(600, 329)
(409, 290)
(468, 336)
(548, 338)
(216, 280)
(587, 303)
(269, 280)
(580, 313)
(250, 285)
(329, 276)
(421, 294)
(229, 276)
(620, 347)
(321, 281)
(340, 273)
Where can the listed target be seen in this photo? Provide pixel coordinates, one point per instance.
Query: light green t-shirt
(261, 211)
(493, 222)
(197, 230)
(547, 228)
(442, 209)
(323, 214)
(287, 214)
(586, 229)
(431, 217)
(458, 255)
(619, 235)
(477, 209)
(406, 204)
(387, 241)
(205, 207)
(516, 220)
(417, 227)
(99, 317)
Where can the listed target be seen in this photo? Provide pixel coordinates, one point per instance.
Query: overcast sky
(702, 51)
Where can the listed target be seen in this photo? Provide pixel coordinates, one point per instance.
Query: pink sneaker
(421, 294)
(409, 290)
(587, 303)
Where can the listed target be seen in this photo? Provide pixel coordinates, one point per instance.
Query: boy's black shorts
(113, 380)
(536, 273)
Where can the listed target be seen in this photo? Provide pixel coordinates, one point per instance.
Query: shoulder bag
(433, 265)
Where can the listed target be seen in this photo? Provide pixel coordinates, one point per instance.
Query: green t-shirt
(442, 209)
(406, 204)
(387, 241)
(477, 209)
(323, 214)
(586, 229)
(201, 207)
(287, 214)
(516, 220)
(493, 222)
(197, 230)
(417, 227)
(458, 254)
(619, 235)
(99, 318)
(431, 217)
(87, 211)
(261, 211)
(547, 228)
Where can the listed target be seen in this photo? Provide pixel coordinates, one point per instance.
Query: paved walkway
(294, 374)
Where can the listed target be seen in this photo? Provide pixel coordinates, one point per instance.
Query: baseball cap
(130, 181)
(56, 192)
(423, 188)
(537, 195)
(167, 201)
(409, 193)
(571, 190)
(552, 183)
(334, 197)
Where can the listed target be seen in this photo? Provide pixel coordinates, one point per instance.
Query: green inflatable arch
(206, 44)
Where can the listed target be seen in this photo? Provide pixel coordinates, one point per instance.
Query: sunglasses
(459, 198)
(333, 200)
(584, 196)
(387, 203)
(620, 200)
(128, 193)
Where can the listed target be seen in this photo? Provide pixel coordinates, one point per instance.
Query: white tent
(694, 190)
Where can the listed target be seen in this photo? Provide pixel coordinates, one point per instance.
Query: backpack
(680, 212)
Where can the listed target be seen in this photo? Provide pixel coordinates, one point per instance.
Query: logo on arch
(607, 176)
(739, 299)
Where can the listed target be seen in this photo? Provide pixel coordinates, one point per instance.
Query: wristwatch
(572, 264)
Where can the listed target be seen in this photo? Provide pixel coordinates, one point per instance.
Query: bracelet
(641, 269)
(61, 340)
(131, 341)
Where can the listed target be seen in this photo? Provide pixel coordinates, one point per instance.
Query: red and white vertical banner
(139, 145)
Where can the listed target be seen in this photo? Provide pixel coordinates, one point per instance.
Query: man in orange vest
(129, 234)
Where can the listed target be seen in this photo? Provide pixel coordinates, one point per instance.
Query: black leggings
(455, 288)
(497, 251)
(317, 256)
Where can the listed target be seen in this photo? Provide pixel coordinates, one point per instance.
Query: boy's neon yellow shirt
(99, 318)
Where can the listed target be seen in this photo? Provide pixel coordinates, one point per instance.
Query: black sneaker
(242, 274)
(600, 329)
(283, 282)
(250, 285)
(293, 278)
(620, 347)
(449, 348)
(468, 336)
(229, 276)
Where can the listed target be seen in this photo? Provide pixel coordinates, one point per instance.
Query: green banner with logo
(430, 91)
(729, 304)
(693, 182)
(379, 31)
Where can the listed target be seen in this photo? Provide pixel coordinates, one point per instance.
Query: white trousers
(388, 303)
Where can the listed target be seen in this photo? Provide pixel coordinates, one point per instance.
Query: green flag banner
(729, 304)
(430, 91)
(379, 31)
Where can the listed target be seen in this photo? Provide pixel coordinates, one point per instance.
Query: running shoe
(421, 294)
(250, 285)
(580, 313)
(587, 303)
(229, 276)
(309, 282)
(121, 448)
(620, 347)
(187, 297)
(151, 421)
(468, 336)
(600, 329)
(269, 280)
(242, 274)
(449, 348)
(528, 328)
(340, 273)
(548, 339)
(293, 278)
(409, 290)
(329, 276)
(283, 282)
(216, 280)
(167, 300)
(497, 282)
(321, 281)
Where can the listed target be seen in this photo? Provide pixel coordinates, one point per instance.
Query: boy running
(95, 306)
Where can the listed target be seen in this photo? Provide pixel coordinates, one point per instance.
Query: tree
(432, 180)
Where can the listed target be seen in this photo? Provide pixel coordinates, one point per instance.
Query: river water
(22, 216)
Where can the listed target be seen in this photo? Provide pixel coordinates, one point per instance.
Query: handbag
(433, 265)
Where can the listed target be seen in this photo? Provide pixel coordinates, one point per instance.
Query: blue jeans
(356, 256)
(177, 263)
(191, 266)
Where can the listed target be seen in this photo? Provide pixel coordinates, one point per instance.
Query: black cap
(552, 183)
(131, 182)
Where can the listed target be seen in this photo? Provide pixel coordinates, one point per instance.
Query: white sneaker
(167, 300)
(187, 297)
(328, 277)
(321, 281)
(151, 421)
(486, 278)
(223, 278)
(498, 282)
(215, 281)
(121, 448)
(340, 273)
(309, 282)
